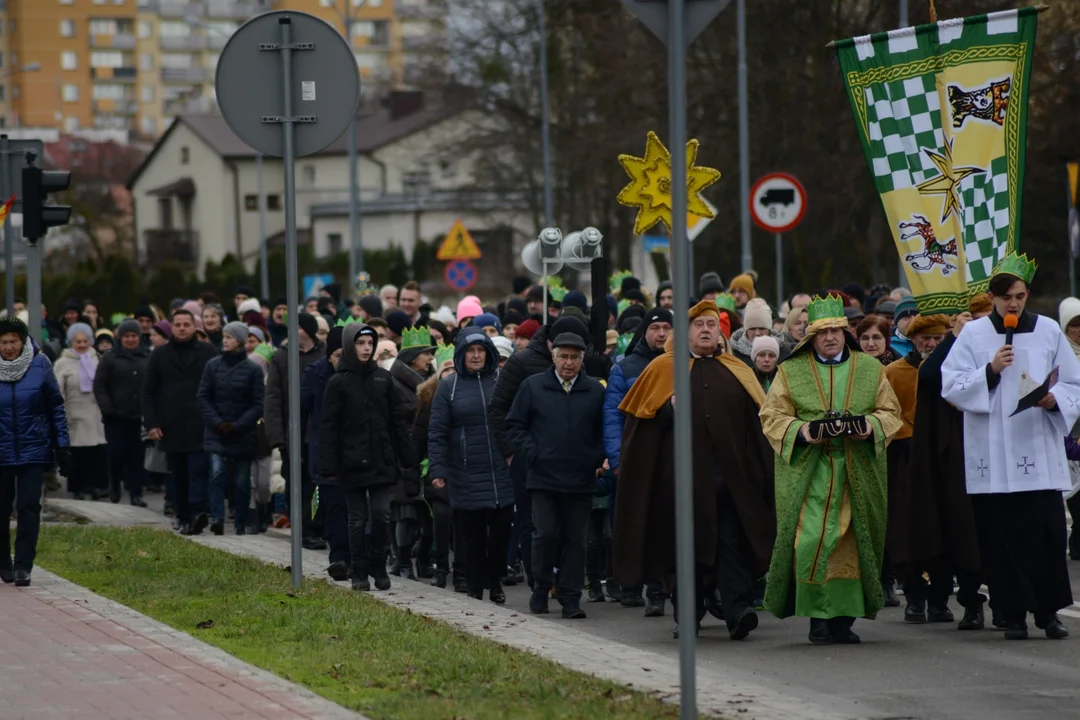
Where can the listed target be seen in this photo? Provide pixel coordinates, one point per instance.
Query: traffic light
(37, 185)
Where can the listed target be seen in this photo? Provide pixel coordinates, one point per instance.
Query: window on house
(69, 60)
(71, 124)
(67, 2)
(273, 202)
(309, 175)
(147, 92)
(67, 28)
(99, 2)
(145, 29)
(70, 93)
(335, 243)
(251, 202)
(102, 27)
(106, 59)
(108, 92)
(149, 125)
(185, 155)
(176, 60)
(165, 213)
(146, 61)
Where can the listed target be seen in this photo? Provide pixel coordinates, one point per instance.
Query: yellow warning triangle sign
(1074, 177)
(458, 245)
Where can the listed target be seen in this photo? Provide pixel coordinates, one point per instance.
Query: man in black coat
(276, 417)
(557, 424)
(118, 386)
(534, 359)
(231, 399)
(363, 443)
(172, 416)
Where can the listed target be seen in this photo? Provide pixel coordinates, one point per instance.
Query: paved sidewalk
(68, 653)
(720, 692)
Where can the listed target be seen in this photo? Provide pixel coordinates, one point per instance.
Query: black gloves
(63, 461)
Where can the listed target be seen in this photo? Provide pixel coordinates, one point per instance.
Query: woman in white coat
(1069, 318)
(75, 370)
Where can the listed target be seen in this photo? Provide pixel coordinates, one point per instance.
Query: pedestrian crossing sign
(458, 245)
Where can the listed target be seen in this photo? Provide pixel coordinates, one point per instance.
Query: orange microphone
(1010, 322)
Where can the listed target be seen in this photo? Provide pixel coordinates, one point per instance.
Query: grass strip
(343, 645)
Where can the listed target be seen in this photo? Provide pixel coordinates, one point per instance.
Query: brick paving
(68, 653)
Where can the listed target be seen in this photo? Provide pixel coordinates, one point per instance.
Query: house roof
(374, 130)
(184, 187)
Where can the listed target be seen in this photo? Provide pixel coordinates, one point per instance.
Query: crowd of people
(844, 444)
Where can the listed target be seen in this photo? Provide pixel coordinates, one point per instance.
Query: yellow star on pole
(945, 183)
(650, 184)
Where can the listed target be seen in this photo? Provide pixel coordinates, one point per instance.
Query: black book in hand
(1033, 397)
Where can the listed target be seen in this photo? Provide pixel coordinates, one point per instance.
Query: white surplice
(1005, 454)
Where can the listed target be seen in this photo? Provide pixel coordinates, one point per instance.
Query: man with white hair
(389, 295)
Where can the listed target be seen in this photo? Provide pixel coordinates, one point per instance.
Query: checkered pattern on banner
(903, 117)
(985, 198)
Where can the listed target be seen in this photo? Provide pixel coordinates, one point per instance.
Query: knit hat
(164, 327)
(527, 329)
(397, 321)
(576, 298)
(143, 311)
(658, 315)
(855, 291)
(517, 305)
(1067, 311)
(710, 282)
(79, 328)
(469, 307)
(634, 294)
(666, 285)
(258, 332)
(73, 304)
(570, 325)
(763, 344)
(193, 307)
(520, 284)
(505, 346)
(245, 290)
(574, 312)
(744, 282)
(333, 340)
(371, 305)
(905, 308)
(513, 317)
(249, 304)
(484, 320)
(757, 315)
(628, 284)
(103, 335)
(308, 324)
(128, 326)
(238, 330)
(888, 307)
(14, 325)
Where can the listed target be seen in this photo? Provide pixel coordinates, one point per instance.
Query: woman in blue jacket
(464, 457)
(32, 426)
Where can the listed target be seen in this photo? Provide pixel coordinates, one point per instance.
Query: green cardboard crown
(615, 283)
(1017, 265)
(557, 293)
(725, 301)
(623, 343)
(825, 308)
(443, 353)
(415, 338)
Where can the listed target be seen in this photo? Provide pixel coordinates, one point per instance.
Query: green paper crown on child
(726, 302)
(622, 305)
(557, 292)
(825, 308)
(416, 338)
(616, 279)
(1017, 265)
(623, 342)
(443, 353)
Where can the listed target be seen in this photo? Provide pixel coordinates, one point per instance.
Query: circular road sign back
(777, 202)
(250, 83)
(460, 274)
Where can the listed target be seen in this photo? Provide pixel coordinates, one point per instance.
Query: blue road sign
(460, 275)
(314, 283)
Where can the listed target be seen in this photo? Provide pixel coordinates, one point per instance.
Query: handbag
(155, 460)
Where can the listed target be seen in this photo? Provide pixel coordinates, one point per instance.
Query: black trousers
(598, 546)
(335, 523)
(559, 521)
(126, 456)
(442, 526)
(487, 535)
(523, 521)
(362, 504)
(89, 469)
(1025, 551)
(311, 527)
(940, 587)
(189, 474)
(733, 577)
(1074, 536)
(21, 484)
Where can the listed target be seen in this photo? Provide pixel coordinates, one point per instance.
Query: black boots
(915, 612)
(596, 592)
(890, 595)
(655, 606)
(973, 618)
(22, 579)
(834, 631)
(404, 567)
(940, 613)
(1049, 623)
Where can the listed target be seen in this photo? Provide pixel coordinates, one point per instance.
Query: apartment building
(134, 65)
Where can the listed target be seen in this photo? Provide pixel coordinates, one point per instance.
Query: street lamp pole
(744, 139)
(545, 130)
(10, 236)
(356, 236)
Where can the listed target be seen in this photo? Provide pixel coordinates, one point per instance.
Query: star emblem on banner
(650, 184)
(946, 183)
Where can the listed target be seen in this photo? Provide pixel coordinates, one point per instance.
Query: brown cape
(938, 520)
(727, 432)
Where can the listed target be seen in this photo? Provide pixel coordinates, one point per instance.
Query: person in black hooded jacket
(118, 388)
(363, 443)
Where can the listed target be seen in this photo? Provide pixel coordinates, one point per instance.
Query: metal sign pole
(9, 231)
(292, 289)
(263, 251)
(34, 252)
(1068, 237)
(744, 138)
(779, 271)
(684, 478)
(545, 127)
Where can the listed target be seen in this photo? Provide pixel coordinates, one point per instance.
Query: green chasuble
(830, 497)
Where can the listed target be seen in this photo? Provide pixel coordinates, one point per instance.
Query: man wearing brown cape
(734, 516)
(933, 527)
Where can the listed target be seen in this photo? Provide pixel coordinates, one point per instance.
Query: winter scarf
(12, 371)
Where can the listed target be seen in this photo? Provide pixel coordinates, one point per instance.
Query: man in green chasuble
(829, 415)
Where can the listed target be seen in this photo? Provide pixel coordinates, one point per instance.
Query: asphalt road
(899, 672)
